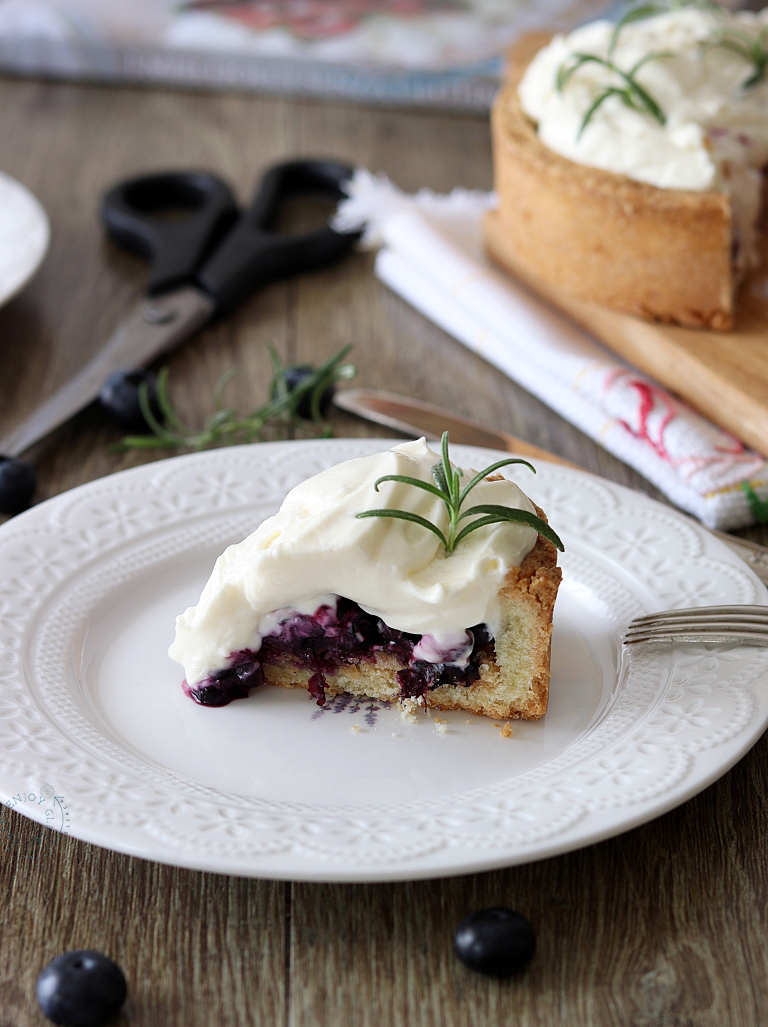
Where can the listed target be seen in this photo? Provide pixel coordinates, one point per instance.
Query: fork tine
(703, 621)
(697, 629)
(747, 625)
(709, 611)
(725, 637)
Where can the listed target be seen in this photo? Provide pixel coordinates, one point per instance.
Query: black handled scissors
(203, 263)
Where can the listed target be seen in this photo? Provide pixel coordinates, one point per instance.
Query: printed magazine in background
(443, 53)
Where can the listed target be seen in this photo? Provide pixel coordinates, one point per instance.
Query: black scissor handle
(252, 254)
(136, 215)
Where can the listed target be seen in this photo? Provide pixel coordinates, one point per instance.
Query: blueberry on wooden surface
(294, 377)
(120, 397)
(17, 485)
(496, 941)
(81, 989)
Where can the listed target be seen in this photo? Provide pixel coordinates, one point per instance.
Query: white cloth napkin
(431, 254)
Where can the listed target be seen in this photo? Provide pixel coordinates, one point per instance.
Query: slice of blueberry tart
(395, 576)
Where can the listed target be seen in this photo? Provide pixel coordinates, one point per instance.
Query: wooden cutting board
(724, 375)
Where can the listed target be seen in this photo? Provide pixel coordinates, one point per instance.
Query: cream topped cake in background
(322, 598)
(673, 108)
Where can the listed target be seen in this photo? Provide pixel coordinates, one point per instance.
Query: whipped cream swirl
(315, 548)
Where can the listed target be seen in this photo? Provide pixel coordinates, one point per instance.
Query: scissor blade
(156, 326)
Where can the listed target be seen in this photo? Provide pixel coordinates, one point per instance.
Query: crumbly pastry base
(661, 254)
(514, 674)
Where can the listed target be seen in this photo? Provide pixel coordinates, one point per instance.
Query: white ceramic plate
(271, 786)
(24, 236)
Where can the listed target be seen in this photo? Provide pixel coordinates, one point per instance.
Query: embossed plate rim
(68, 536)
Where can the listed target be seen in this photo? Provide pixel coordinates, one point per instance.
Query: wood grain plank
(190, 944)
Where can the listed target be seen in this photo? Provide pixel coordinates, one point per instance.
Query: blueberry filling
(327, 640)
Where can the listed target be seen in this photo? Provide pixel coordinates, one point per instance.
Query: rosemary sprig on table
(225, 425)
(631, 93)
(448, 488)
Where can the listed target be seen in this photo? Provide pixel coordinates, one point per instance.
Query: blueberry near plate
(496, 941)
(81, 989)
(120, 397)
(17, 485)
(295, 376)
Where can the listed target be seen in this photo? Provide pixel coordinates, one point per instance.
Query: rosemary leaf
(406, 480)
(406, 515)
(220, 418)
(171, 419)
(481, 475)
(439, 475)
(451, 476)
(223, 382)
(565, 72)
(149, 415)
(635, 14)
(506, 513)
(277, 365)
(641, 91)
(140, 442)
(611, 91)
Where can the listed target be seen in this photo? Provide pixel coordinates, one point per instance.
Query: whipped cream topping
(716, 131)
(315, 548)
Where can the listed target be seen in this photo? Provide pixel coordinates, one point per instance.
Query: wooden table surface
(665, 925)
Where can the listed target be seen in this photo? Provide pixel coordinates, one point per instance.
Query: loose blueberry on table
(17, 485)
(295, 376)
(120, 396)
(81, 989)
(496, 941)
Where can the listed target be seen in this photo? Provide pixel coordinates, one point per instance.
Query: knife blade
(414, 417)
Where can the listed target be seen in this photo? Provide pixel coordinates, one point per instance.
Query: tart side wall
(662, 254)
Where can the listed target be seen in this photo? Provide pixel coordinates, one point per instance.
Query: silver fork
(737, 625)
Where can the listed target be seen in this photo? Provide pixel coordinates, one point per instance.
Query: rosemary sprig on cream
(448, 488)
(753, 49)
(631, 93)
